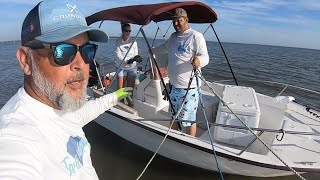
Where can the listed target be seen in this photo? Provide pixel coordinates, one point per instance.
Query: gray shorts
(126, 73)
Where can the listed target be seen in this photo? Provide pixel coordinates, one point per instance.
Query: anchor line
(277, 156)
(207, 123)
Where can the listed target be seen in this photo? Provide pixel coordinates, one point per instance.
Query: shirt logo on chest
(182, 48)
(76, 147)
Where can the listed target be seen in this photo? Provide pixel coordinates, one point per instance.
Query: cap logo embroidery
(57, 21)
(72, 7)
(73, 13)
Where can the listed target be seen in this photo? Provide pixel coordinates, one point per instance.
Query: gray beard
(58, 95)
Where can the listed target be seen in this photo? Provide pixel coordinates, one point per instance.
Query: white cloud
(268, 36)
(276, 11)
(307, 4)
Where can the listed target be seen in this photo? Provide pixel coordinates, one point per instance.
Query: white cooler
(243, 102)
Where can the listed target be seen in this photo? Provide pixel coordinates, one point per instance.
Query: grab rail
(238, 127)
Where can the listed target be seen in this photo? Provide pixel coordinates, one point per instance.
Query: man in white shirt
(41, 125)
(187, 50)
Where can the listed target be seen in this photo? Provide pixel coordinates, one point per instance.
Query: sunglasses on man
(64, 53)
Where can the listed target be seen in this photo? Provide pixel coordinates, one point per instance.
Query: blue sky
(293, 23)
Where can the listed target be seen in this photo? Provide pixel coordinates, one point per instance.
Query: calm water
(118, 159)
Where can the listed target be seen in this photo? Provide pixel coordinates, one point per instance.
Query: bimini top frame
(144, 14)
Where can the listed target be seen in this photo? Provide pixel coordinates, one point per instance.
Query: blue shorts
(189, 110)
(123, 73)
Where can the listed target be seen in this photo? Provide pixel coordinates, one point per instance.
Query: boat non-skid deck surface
(303, 153)
(306, 148)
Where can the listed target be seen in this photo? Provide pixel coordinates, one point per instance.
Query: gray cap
(54, 21)
(179, 12)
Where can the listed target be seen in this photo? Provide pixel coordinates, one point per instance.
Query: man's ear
(23, 59)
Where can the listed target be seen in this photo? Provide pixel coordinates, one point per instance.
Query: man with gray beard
(41, 125)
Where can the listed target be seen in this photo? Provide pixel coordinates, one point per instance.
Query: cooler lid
(240, 99)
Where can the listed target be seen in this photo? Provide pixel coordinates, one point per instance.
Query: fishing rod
(158, 69)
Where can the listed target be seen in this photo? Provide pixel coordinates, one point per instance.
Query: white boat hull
(182, 151)
(143, 126)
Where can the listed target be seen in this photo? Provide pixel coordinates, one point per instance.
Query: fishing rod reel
(137, 59)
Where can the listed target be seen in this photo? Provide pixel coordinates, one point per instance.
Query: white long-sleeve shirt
(182, 48)
(122, 48)
(39, 142)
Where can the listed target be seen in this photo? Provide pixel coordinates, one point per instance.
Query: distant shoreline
(111, 37)
(116, 37)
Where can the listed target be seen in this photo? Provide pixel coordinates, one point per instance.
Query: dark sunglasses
(64, 53)
(127, 30)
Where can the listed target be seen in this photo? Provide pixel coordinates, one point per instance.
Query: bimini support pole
(225, 55)
(97, 70)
